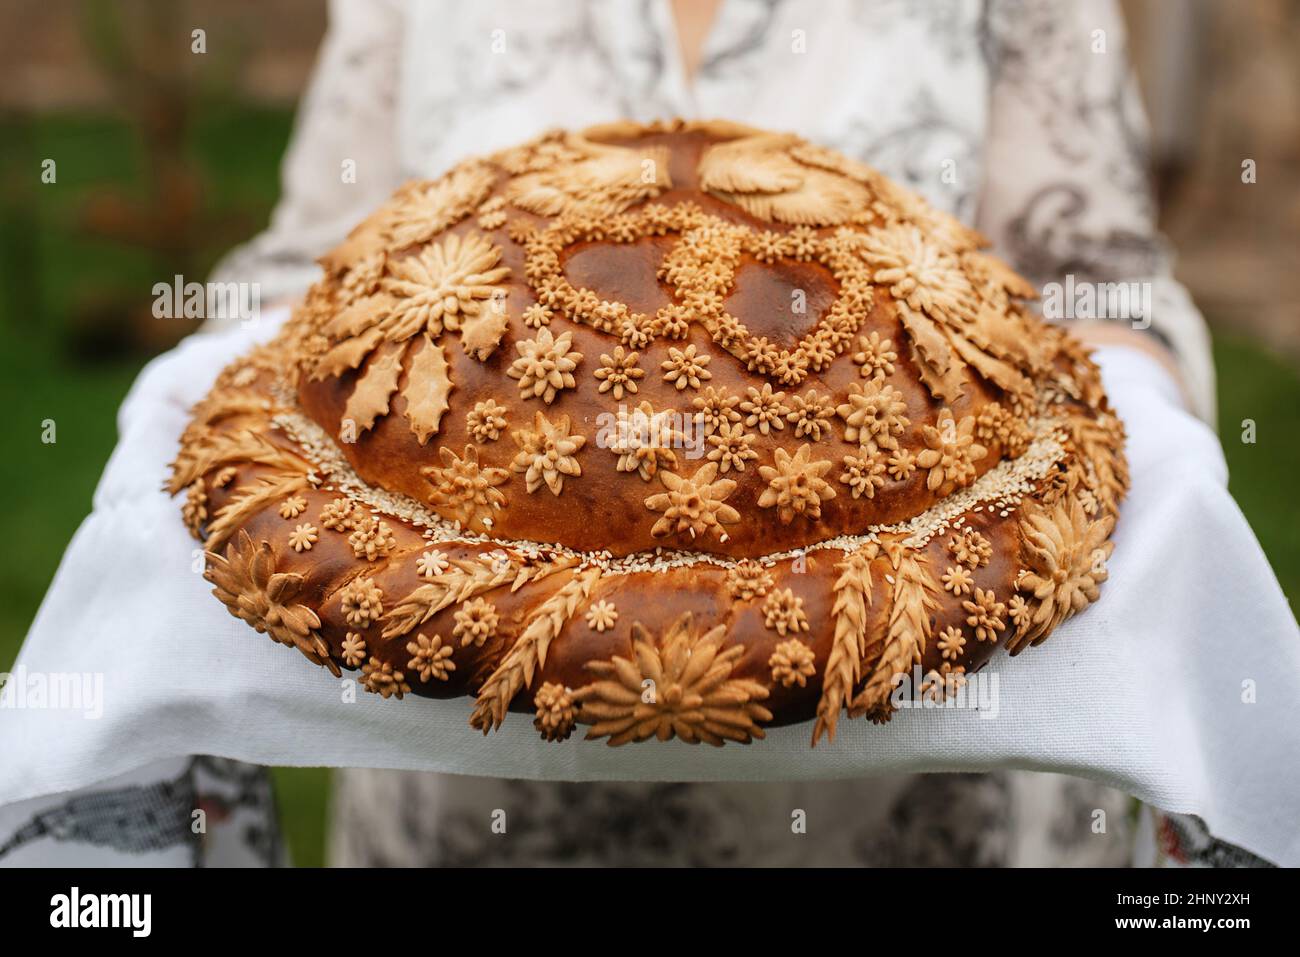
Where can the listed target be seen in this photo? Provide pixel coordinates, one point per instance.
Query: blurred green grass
(1258, 387)
(49, 265)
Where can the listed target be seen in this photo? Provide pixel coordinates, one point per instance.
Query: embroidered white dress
(1019, 117)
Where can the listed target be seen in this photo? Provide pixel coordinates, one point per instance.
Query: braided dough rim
(869, 607)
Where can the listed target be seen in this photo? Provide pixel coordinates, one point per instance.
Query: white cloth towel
(1181, 686)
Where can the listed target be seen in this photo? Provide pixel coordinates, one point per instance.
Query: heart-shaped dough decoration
(672, 430)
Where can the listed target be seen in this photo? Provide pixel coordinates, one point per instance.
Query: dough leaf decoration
(427, 388)
(595, 178)
(375, 388)
(762, 176)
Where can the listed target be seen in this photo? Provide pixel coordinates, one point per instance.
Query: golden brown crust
(549, 429)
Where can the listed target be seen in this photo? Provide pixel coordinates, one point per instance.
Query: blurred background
(165, 160)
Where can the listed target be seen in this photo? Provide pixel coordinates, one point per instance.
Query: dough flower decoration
(731, 448)
(354, 650)
(873, 415)
(292, 506)
(958, 580)
(997, 425)
(476, 622)
(430, 658)
(951, 643)
(246, 582)
(811, 415)
(715, 408)
(985, 614)
(381, 678)
(546, 453)
(684, 367)
(950, 453)
(694, 507)
(748, 579)
(970, 548)
(339, 515)
(303, 537)
(619, 372)
(875, 356)
(601, 616)
(792, 662)
(764, 410)
(545, 365)
(1020, 614)
(795, 485)
(643, 440)
(431, 564)
(536, 316)
(783, 612)
(556, 711)
(362, 602)
(1065, 557)
(486, 421)
(863, 474)
(690, 693)
(371, 538)
(919, 272)
(901, 464)
(463, 490)
(448, 285)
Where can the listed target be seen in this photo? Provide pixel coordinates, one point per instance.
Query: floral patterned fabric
(410, 819)
(185, 812)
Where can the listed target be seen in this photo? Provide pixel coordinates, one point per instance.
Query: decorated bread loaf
(670, 431)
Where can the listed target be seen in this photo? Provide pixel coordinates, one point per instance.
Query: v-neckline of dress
(682, 89)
